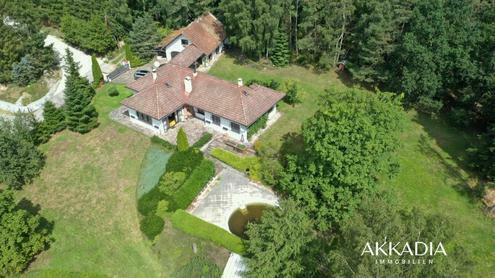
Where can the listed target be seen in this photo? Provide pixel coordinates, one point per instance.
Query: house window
(200, 112)
(235, 127)
(143, 117)
(184, 42)
(215, 119)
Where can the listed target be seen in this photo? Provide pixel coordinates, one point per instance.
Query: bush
(148, 203)
(192, 225)
(184, 161)
(133, 59)
(259, 124)
(159, 141)
(249, 165)
(113, 92)
(182, 143)
(183, 197)
(152, 226)
(205, 138)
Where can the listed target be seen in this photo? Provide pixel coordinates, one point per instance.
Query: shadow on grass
(462, 186)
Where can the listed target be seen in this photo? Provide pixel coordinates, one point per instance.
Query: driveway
(229, 191)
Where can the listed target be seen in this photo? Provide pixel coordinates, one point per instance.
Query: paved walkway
(229, 191)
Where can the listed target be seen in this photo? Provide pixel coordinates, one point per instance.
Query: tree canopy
(23, 234)
(348, 143)
(277, 243)
(20, 160)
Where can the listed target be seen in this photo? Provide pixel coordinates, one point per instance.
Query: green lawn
(431, 178)
(88, 189)
(431, 175)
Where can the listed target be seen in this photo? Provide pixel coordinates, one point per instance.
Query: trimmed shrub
(193, 185)
(152, 226)
(182, 143)
(194, 226)
(170, 182)
(248, 164)
(185, 161)
(113, 92)
(205, 138)
(159, 141)
(148, 203)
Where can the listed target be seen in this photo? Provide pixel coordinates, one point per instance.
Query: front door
(171, 120)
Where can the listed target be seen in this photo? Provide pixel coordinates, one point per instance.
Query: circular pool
(242, 216)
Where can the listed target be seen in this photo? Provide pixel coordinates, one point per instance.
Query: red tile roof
(159, 98)
(187, 57)
(206, 33)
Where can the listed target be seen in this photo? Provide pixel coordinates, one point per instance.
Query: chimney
(195, 72)
(188, 85)
(153, 73)
(239, 82)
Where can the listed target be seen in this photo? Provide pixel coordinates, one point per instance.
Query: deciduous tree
(20, 160)
(22, 235)
(348, 143)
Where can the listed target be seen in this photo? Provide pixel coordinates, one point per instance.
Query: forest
(436, 56)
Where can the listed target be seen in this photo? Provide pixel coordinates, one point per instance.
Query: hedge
(148, 202)
(152, 225)
(159, 141)
(205, 138)
(185, 161)
(194, 226)
(256, 126)
(248, 164)
(200, 176)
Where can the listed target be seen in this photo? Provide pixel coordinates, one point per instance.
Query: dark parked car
(140, 73)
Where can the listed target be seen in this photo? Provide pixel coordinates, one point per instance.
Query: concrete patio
(229, 191)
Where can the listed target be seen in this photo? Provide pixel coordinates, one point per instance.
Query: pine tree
(281, 55)
(182, 143)
(81, 114)
(144, 37)
(54, 121)
(97, 74)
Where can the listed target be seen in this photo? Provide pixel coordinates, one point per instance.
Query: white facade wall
(175, 45)
(225, 127)
(156, 125)
(273, 112)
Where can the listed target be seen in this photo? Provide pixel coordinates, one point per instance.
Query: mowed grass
(432, 175)
(88, 189)
(432, 179)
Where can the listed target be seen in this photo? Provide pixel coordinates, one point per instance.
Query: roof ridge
(157, 102)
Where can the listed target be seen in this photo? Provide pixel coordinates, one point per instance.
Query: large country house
(176, 90)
